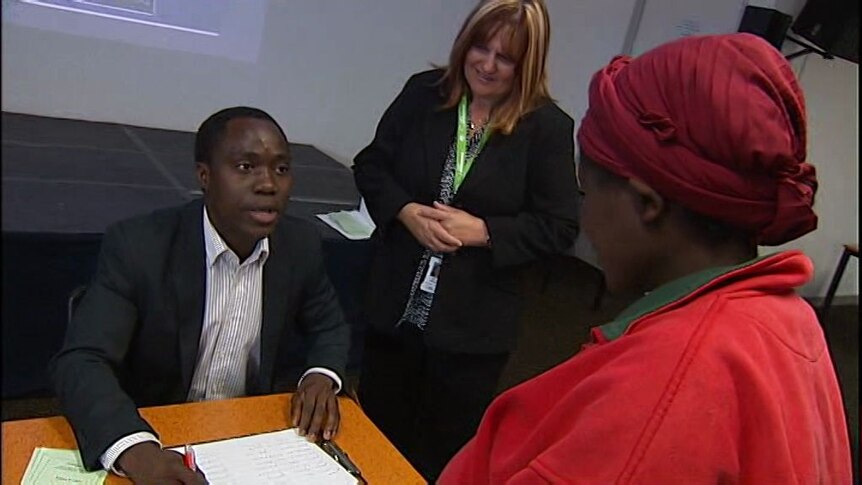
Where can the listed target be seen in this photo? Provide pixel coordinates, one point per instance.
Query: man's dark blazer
(133, 340)
(522, 184)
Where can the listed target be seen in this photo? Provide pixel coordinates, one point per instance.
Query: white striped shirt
(229, 349)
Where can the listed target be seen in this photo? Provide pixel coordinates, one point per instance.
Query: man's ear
(203, 171)
(651, 205)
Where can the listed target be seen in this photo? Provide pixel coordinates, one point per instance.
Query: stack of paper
(277, 458)
(355, 224)
(48, 465)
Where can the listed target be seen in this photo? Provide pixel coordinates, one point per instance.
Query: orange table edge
(179, 424)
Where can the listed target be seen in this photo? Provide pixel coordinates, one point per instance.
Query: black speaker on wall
(768, 23)
(832, 25)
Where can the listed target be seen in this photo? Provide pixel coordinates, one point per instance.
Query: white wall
(832, 97)
(585, 35)
(327, 69)
(665, 20)
(831, 89)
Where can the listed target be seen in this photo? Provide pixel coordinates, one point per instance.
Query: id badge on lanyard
(429, 283)
(462, 166)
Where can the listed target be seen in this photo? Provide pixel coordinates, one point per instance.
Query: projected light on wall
(221, 28)
(169, 14)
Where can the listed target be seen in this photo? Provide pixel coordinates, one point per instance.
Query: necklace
(474, 126)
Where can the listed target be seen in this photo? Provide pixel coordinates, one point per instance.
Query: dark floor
(557, 322)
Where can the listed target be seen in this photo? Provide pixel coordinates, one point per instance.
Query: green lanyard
(462, 163)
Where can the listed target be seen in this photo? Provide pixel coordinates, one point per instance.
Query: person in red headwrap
(692, 155)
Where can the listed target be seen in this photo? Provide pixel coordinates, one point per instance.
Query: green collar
(667, 294)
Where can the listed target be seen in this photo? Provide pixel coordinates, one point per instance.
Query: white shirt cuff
(328, 373)
(110, 456)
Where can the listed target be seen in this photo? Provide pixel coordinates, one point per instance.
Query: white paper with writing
(280, 457)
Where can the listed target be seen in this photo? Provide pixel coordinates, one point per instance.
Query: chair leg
(833, 285)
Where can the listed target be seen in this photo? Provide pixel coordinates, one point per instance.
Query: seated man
(692, 155)
(199, 302)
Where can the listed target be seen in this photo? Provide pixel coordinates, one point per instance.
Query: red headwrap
(714, 123)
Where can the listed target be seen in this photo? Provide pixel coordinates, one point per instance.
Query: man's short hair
(211, 130)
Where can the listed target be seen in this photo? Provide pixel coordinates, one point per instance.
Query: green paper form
(48, 465)
(351, 225)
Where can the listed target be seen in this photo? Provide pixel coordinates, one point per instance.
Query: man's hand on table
(147, 463)
(314, 407)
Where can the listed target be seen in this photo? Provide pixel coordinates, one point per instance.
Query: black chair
(547, 269)
(41, 403)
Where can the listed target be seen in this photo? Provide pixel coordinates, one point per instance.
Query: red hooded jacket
(723, 376)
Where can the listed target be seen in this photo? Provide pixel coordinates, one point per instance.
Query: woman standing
(470, 175)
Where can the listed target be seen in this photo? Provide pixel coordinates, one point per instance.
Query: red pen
(189, 458)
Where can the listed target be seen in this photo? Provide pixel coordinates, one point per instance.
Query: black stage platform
(65, 181)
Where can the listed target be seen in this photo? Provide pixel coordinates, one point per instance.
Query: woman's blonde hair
(528, 31)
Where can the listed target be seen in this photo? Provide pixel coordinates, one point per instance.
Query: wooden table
(179, 424)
